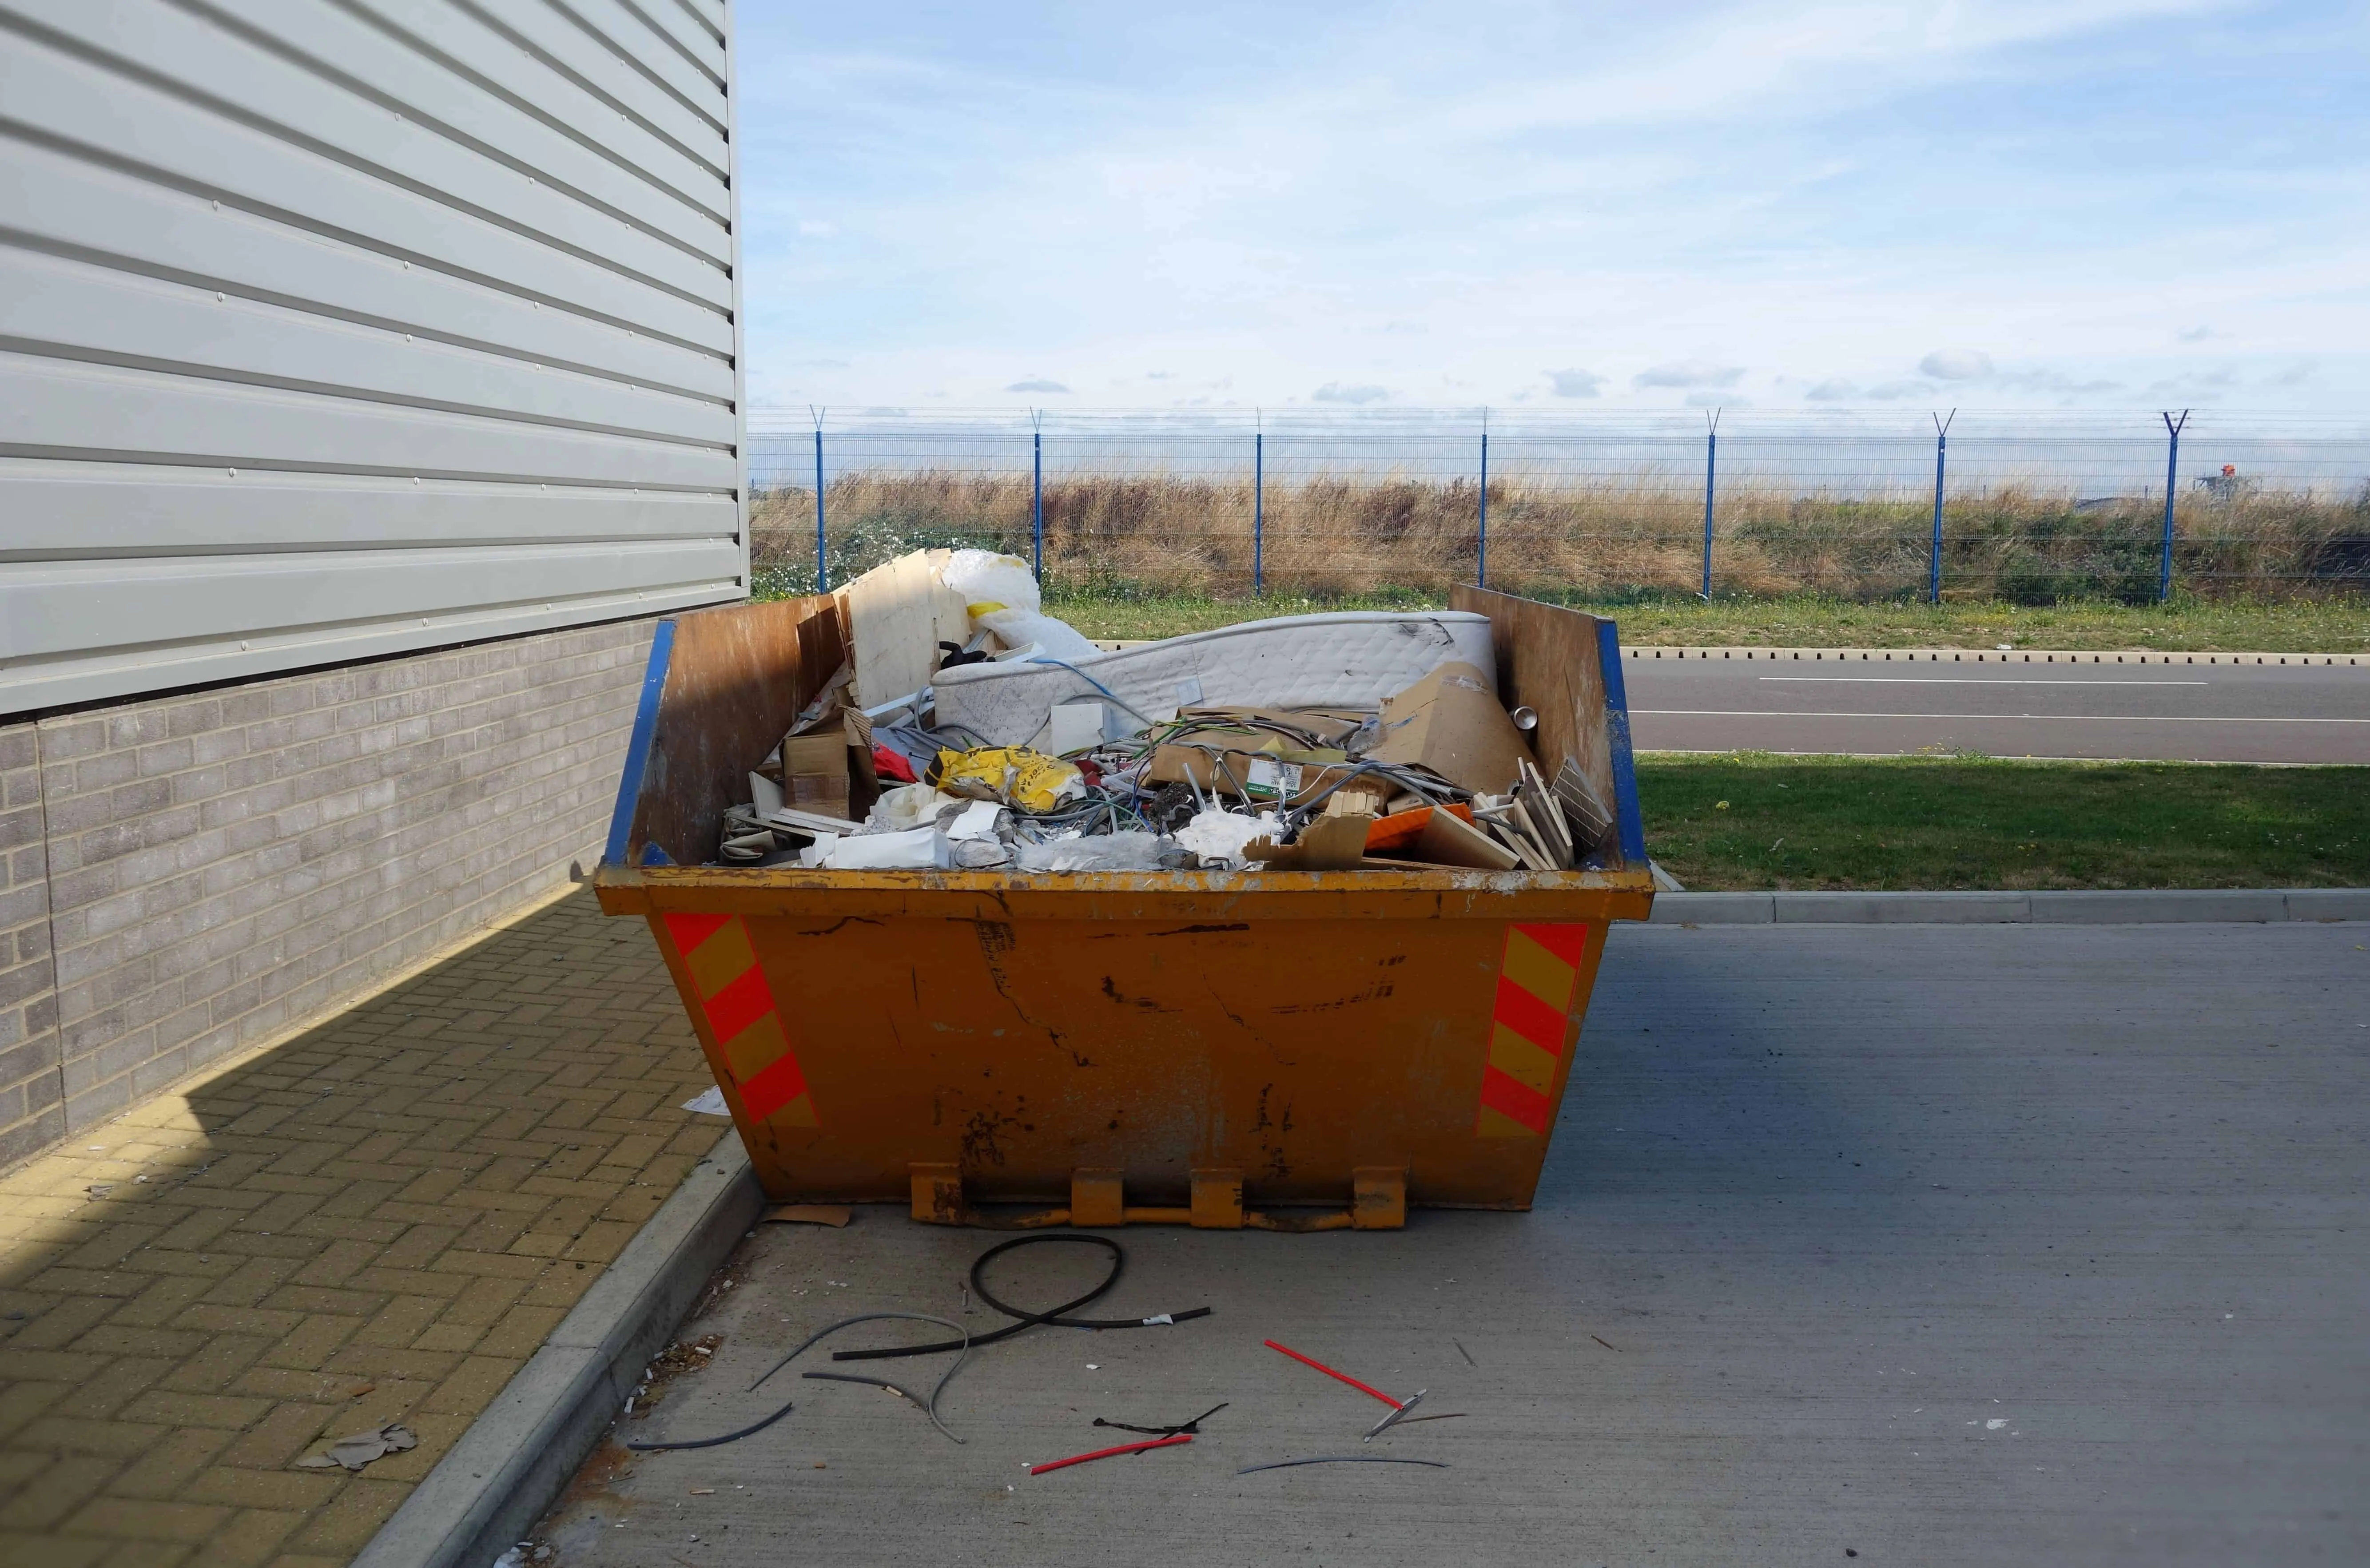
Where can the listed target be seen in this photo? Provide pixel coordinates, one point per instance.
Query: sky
(2095, 204)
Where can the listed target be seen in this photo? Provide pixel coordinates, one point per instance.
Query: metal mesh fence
(2026, 508)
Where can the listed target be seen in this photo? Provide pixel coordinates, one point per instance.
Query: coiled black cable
(1057, 1318)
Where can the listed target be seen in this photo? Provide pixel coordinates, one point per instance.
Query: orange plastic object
(1398, 831)
(1181, 1045)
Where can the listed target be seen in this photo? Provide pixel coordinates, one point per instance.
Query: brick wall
(31, 1113)
(225, 865)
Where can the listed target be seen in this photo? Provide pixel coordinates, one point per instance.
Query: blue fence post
(2171, 477)
(1259, 513)
(1036, 495)
(1711, 468)
(1933, 569)
(1481, 563)
(823, 560)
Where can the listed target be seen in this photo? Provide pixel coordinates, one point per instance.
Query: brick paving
(377, 1220)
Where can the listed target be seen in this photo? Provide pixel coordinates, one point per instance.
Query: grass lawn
(2185, 625)
(1755, 820)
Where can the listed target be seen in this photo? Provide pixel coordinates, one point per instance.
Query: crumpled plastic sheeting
(1103, 851)
(352, 1453)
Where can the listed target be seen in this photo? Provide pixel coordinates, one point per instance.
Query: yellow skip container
(1288, 1049)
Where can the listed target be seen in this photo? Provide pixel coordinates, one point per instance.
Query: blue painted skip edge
(1624, 771)
(638, 749)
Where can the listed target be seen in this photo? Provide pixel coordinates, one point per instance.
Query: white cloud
(2195, 334)
(1717, 400)
(1688, 373)
(1835, 389)
(1575, 384)
(1896, 391)
(1036, 384)
(1338, 392)
(1956, 364)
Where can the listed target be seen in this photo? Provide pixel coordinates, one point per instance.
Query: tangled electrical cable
(1056, 1318)
(929, 1406)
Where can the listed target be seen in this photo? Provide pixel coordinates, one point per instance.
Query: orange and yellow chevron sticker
(743, 1018)
(1536, 982)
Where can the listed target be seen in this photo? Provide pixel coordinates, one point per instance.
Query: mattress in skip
(1352, 660)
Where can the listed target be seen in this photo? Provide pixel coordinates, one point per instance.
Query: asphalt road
(1999, 1244)
(2182, 713)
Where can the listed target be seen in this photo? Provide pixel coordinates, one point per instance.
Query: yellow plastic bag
(1013, 774)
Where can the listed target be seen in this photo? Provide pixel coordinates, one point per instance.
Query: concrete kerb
(515, 1457)
(2086, 907)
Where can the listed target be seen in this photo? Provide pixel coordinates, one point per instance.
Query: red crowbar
(1106, 1453)
(1398, 1407)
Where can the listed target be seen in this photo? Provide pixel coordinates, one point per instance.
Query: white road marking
(2077, 719)
(1967, 680)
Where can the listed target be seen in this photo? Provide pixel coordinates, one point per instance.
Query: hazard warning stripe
(741, 1017)
(1538, 976)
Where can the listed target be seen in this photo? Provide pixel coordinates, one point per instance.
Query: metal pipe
(1037, 500)
(2171, 477)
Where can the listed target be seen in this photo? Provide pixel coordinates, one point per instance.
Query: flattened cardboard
(1329, 844)
(1450, 723)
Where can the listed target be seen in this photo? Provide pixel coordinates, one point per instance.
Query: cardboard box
(1450, 723)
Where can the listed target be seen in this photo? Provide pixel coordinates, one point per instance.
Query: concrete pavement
(1893, 1244)
(2208, 708)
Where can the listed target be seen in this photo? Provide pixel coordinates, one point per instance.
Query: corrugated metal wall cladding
(162, 137)
(73, 510)
(44, 605)
(355, 55)
(57, 408)
(472, 50)
(74, 310)
(113, 219)
(559, 41)
(332, 329)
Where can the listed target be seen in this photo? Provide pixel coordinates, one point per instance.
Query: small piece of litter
(831, 1214)
(513, 1558)
(1157, 1319)
(820, 1465)
(1994, 1424)
(360, 1388)
(359, 1450)
(1094, 1366)
(709, 1103)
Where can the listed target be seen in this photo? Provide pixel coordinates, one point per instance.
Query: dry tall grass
(1362, 534)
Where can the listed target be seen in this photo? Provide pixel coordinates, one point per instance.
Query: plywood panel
(1547, 660)
(736, 679)
(896, 615)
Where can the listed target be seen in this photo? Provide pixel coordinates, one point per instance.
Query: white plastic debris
(1107, 852)
(906, 806)
(1000, 593)
(913, 849)
(1221, 835)
(709, 1103)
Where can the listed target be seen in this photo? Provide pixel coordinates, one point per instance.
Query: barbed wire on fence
(1620, 503)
